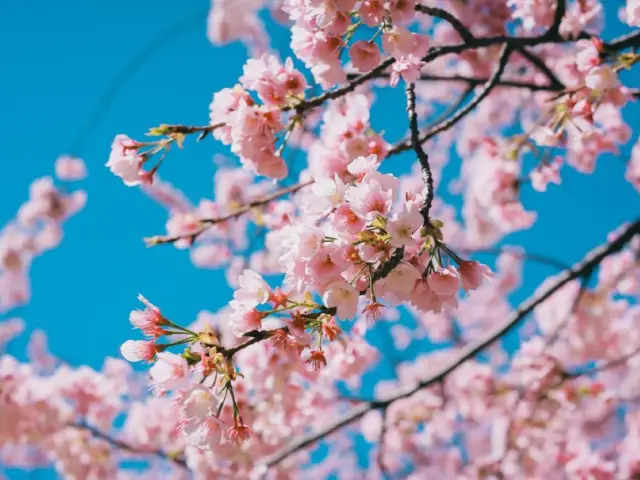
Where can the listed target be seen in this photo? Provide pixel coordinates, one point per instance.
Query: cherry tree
(320, 254)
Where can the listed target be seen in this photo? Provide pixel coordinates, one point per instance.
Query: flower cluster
(250, 128)
(36, 229)
(322, 29)
(345, 135)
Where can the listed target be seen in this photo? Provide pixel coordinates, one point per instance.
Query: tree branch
(423, 158)
(554, 81)
(209, 222)
(630, 40)
(457, 25)
(534, 257)
(591, 261)
(447, 124)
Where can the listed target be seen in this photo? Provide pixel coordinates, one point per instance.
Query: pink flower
(633, 167)
(546, 137)
(426, 300)
(316, 360)
(293, 80)
(407, 68)
(400, 282)
(70, 168)
(253, 291)
(328, 263)
(271, 166)
(372, 12)
(601, 78)
(632, 13)
(125, 162)
(149, 320)
(402, 11)
(364, 55)
(361, 166)
(198, 403)
(473, 274)
(545, 174)
(343, 297)
(345, 220)
(242, 322)
(402, 226)
(444, 282)
(398, 42)
(373, 197)
(588, 55)
(170, 372)
(205, 434)
(138, 350)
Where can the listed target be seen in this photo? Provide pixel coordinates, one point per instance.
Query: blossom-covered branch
(590, 261)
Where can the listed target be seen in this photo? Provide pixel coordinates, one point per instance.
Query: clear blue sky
(57, 59)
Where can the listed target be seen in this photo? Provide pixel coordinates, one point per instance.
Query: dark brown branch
(630, 40)
(457, 25)
(447, 124)
(516, 43)
(588, 264)
(423, 158)
(561, 10)
(339, 92)
(554, 81)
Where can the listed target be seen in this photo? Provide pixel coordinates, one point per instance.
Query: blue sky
(58, 58)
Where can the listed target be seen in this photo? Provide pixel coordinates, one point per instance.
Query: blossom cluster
(250, 128)
(37, 228)
(357, 264)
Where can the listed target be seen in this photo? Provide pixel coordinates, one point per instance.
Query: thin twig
(209, 222)
(534, 257)
(554, 81)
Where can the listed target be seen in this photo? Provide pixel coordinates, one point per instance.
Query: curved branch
(630, 40)
(457, 25)
(554, 81)
(447, 124)
(584, 267)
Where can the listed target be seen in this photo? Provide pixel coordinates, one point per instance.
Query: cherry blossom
(360, 307)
